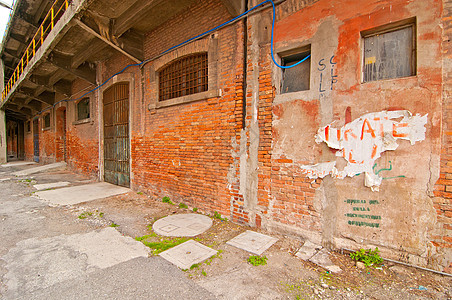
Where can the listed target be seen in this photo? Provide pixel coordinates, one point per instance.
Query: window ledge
(84, 121)
(189, 98)
(287, 97)
(45, 129)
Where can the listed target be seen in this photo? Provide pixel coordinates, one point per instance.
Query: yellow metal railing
(56, 11)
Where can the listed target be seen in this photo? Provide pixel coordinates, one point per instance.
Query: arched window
(184, 76)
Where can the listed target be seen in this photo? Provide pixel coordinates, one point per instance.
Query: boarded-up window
(184, 76)
(83, 109)
(47, 121)
(390, 54)
(296, 78)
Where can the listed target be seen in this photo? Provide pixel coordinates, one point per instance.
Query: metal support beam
(111, 44)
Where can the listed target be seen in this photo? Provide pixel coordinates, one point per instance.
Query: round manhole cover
(182, 225)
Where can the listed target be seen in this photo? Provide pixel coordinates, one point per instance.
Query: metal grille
(185, 76)
(116, 135)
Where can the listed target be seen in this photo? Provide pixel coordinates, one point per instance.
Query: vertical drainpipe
(245, 61)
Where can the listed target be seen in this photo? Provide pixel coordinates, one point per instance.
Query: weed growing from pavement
(82, 216)
(194, 266)
(368, 257)
(166, 199)
(113, 224)
(145, 237)
(217, 215)
(204, 273)
(163, 244)
(87, 214)
(257, 260)
(140, 193)
(195, 209)
(183, 205)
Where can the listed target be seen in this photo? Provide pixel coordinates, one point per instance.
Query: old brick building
(349, 148)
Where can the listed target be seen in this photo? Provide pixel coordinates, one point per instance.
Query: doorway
(116, 134)
(36, 140)
(61, 134)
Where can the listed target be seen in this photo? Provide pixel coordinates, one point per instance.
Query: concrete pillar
(3, 150)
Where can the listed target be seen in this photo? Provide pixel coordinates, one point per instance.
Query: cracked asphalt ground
(47, 253)
(71, 252)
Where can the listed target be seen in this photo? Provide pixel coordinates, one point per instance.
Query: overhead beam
(111, 44)
(44, 81)
(132, 42)
(21, 102)
(136, 11)
(23, 111)
(45, 100)
(234, 7)
(11, 54)
(26, 18)
(64, 62)
(19, 38)
(94, 46)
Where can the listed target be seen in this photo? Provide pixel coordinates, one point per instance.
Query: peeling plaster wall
(400, 218)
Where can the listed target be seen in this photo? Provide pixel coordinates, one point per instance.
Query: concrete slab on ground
(182, 225)
(40, 169)
(38, 263)
(82, 193)
(308, 250)
(18, 163)
(138, 279)
(253, 242)
(187, 254)
(322, 258)
(52, 185)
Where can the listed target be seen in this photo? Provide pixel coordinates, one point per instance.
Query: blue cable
(189, 40)
(271, 44)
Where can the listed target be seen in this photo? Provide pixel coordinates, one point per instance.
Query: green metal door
(116, 135)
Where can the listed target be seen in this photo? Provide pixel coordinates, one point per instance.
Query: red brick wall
(443, 188)
(184, 151)
(82, 139)
(287, 199)
(29, 143)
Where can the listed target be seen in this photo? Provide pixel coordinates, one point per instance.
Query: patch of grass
(140, 193)
(145, 237)
(163, 245)
(82, 216)
(217, 215)
(194, 266)
(183, 205)
(195, 209)
(204, 273)
(257, 260)
(166, 199)
(113, 224)
(101, 214)
(368, 257)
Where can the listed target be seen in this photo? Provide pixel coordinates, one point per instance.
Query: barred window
(184, 76)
